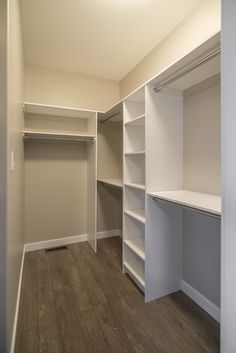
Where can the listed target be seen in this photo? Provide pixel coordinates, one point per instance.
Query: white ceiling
(102, 38)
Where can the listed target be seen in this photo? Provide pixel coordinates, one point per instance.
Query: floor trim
(13, 340)
(202, 301)
(69, 240)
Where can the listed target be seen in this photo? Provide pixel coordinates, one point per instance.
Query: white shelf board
(42, 135)
(137, 245)
(114, 114)
(136, 185)
(137, 153)
(116, 182)
(139, 121)
(195, 200)
(53, 110)
(138, 214)
(134, 274)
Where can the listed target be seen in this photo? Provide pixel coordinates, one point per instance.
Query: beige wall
(110, 150)
(202, 145)
(109, 208)
(202, 24)
(55, 190)
(15, 236)
(55, 87)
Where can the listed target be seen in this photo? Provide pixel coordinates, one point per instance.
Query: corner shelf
(41, 135)
(115, 182)
(205, 203)
(137, 245)
(140, 186)
(138, 214)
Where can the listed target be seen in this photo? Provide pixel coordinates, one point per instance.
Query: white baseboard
(202, 301)
(13, 339)
(69, 240)
(109, 233)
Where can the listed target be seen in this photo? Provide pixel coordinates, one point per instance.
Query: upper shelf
(40, 135)
(205, 203)
(44, 109)
(139, 121)
(114, 114)
(115, 182)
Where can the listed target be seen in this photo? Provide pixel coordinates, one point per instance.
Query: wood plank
(27, 338)
(49, 334)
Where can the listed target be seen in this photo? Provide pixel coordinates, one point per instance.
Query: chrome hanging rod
(197, 64)
(112, 116)
(188, 208)
(49, 138)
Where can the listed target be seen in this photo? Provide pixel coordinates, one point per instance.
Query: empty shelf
(137, 245)
(139, 121)
(53, 110)
(40, 135)
(116, 182)
(139, 186)
(134, 274)
(134, 153)
(205, 203)
(138, 214)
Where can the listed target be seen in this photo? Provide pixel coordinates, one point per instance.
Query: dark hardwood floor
(75, 301)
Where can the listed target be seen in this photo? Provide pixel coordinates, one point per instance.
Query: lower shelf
(134, 275)
(138, 214)
(137, 245)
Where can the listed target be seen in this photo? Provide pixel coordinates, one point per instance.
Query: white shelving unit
(158, 205)
(134, 188)
(183, 204)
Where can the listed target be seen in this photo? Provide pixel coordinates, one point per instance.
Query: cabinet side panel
(163, 249)
(228, 286)
(92, 191)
